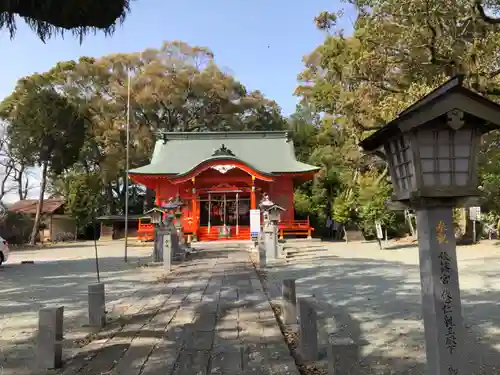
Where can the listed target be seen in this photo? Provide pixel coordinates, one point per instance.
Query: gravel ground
(368, 294)
(373, 296)
(60, 276)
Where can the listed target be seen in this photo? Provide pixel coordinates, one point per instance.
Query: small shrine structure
(221, 176)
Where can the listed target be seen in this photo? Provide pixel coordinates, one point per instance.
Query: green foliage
(374, 191)
(44, 127)
(83, 197)
(302, 203)
(176, 87)
(489, 172)
(342, 209)
(398, 52)
(16, 227)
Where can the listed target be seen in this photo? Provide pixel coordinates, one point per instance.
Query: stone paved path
(210, 317)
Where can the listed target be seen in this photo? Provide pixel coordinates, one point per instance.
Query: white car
(4, 250)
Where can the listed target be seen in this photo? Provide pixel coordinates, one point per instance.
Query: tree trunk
(111, 208)
(22, 182)
(38, 216)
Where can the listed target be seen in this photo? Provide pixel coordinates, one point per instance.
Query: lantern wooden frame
(432, 146)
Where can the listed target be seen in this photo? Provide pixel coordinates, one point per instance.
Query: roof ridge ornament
(223, 151)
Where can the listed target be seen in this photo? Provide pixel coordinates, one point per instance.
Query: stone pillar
(442, 312)
(97, 305)
(162, 233)
(167, 244)
(176, 244)
(289, 300)
(158, 248)
(308, 336)
(50, 336)
(270, 241)
(342, 356)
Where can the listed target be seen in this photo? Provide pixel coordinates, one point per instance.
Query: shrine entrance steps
(204, 235)
(214, 245)
(297, 250)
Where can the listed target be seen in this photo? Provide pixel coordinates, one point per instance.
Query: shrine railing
(295, 227)
(145, 231)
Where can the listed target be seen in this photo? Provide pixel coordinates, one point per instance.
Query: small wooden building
(113, 226)
(57, 225)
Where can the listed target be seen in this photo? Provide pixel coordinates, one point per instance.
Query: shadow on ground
(377, 304)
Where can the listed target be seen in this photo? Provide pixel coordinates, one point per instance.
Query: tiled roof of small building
(28, 206)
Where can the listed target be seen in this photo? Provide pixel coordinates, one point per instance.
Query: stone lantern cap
(431, 148)
(170, 205)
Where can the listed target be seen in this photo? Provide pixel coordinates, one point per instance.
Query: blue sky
(261, 42)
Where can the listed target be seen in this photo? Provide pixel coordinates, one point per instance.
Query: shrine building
(221, 176)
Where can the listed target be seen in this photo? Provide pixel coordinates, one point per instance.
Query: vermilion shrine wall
(280, 191)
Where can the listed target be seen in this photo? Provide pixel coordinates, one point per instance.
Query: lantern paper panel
(444, 156)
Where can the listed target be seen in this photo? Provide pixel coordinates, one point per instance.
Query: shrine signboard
(254, 224)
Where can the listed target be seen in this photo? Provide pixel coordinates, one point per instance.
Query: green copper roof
(266, 152)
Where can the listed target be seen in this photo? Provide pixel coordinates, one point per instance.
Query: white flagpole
(127, 166)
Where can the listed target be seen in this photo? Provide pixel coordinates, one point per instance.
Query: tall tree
(45, 129)
(14, 174)
(175, 88)
(398, 52)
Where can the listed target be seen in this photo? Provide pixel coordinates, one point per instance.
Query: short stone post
(308, 337)
(50, 336)
(289, 300)
(97, 305)
(270, 240)
(342, 356)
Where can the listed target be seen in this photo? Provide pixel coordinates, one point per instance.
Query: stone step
(305, 257)
(304, 250)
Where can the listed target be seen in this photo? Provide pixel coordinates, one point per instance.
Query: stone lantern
(431, 149)
(166, 241)
(271, 215)
(274, 213)
(170, 207)
(179, 203)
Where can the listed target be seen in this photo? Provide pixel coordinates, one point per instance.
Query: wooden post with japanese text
(442, 311)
